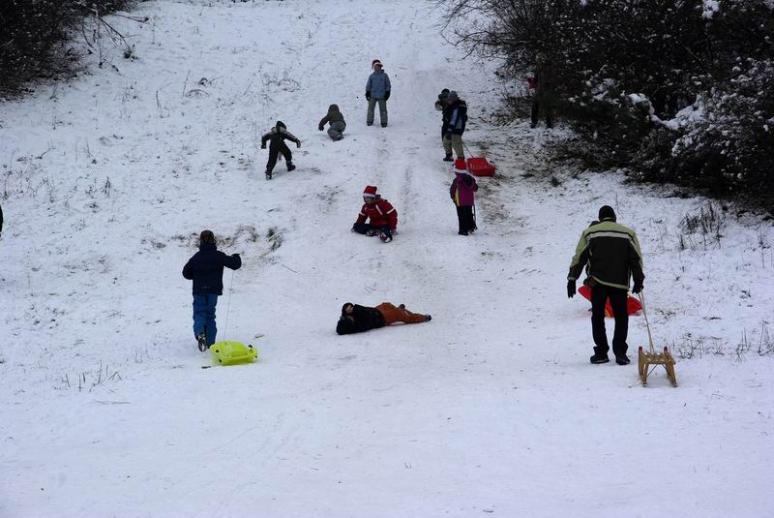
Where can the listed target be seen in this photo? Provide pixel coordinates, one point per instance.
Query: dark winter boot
(448, 158)
(428, 318)
(291, 166)
(268, 174)
(622, 359)
(201, 341)
(599, 357)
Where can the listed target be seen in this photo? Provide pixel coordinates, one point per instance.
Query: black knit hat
(206, 237)
(606, 212)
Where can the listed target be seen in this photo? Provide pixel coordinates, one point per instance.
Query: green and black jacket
(613, 253)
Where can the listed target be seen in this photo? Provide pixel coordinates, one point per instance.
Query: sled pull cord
(641, 295)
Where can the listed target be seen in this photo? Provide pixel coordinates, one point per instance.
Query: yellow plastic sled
(230, 352)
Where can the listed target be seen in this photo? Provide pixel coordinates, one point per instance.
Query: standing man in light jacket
(377, 90)
(613, 254)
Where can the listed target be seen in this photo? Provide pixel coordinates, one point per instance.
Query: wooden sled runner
(647, 361)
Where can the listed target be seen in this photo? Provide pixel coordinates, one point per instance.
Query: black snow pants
(599, 294)
(467, 222)
(274, 152)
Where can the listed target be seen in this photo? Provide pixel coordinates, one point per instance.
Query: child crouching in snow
(462, 193)
(336, 121)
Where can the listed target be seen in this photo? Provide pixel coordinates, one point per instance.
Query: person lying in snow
(336, 121)
(382, 216)
(356, 319)
(276, 137)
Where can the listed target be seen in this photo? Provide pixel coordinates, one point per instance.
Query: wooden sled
(647, 361)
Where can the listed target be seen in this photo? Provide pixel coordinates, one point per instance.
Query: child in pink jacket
(462, 192)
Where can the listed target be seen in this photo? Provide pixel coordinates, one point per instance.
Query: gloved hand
(368, 95)
(637, 287)
(263, 146)
(387, 95)
(298, 144)
(570, 288)
(320, 127)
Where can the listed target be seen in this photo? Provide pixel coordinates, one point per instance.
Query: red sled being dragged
(632, 304)
(479, 166)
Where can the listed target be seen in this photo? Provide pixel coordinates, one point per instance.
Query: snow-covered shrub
(624, 69)
(726, 142)
(34, 34)
(613, 122)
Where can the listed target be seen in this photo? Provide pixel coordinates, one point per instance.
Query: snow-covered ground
(490, 408)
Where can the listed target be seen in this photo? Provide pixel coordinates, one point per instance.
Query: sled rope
(641, 294)
(650, 337)
(228, 302)
(648, 361)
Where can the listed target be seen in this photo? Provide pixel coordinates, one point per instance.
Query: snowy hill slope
(490, 408)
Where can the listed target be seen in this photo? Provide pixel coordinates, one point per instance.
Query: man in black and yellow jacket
(614, 256)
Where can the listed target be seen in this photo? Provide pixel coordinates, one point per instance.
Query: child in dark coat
(356, 319)
(462, 193)
(205, 269)
(276, 137)
(336, 121)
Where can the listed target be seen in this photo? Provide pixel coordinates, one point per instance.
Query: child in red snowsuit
(381, 215)
(462, 193)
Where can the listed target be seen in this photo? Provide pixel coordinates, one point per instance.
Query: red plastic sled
(632, 304)
(479, 166)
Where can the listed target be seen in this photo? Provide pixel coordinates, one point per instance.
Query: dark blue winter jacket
(205, 268)
(457, 115)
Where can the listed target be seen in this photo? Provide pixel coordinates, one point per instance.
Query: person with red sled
(614, 257)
